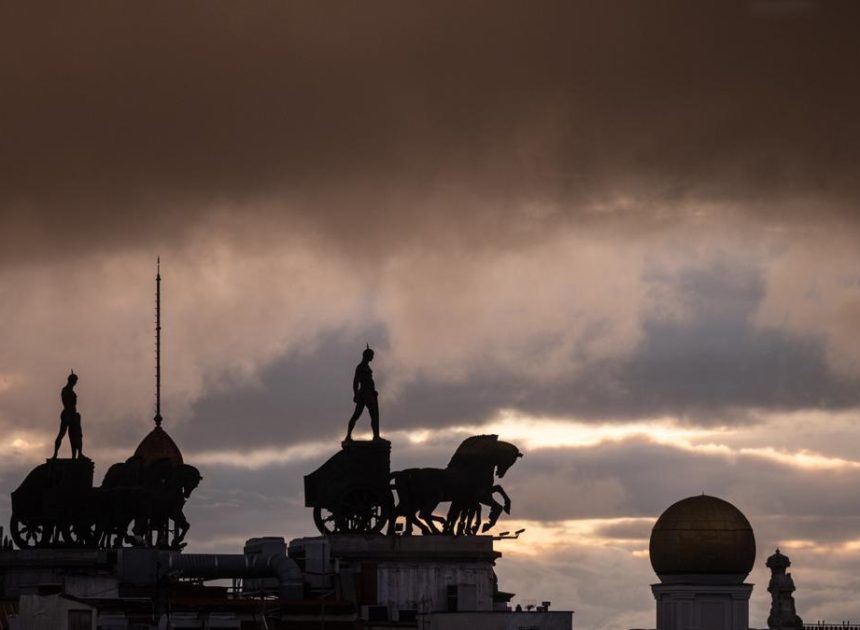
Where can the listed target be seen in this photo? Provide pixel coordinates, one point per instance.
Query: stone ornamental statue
(783, 615)
(70, 419)
(364, 394)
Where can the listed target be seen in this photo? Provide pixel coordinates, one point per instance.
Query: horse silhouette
(149, 494)
(467, 482)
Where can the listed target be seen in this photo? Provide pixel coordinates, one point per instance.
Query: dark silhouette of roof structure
(703, 535)
(158, 445)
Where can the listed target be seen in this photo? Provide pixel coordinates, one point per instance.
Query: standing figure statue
(783, 615)
(70, 419)
(364, 395)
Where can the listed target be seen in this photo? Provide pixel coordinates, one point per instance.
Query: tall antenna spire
(158, 342)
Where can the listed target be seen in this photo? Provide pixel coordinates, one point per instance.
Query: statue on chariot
(354, 491)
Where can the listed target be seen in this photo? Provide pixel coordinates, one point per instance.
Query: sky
(622, 235)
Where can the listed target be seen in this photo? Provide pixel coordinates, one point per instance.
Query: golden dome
(705, 536)
(158, 445)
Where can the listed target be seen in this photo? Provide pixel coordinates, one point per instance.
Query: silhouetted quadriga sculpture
(148, 496)
(350, 493)
(57, 505)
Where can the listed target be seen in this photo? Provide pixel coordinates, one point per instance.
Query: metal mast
(158, 343)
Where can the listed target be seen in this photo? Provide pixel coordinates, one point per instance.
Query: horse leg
(392, 522)
(405, 504)
(467, 519)
(117, 532)
(413, 518)
(410, 514)
(474, 519)
(496, 509)
(163, 536)
(455, 514)
(431, 498)
(426, 514)
(505, 496)
(430, 519)
(440, 520)
(408, 523)
(182, 526)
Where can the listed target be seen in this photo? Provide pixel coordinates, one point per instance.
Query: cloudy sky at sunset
(623, 235)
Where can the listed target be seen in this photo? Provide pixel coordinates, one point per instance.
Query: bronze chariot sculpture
(350, 493)
(51, 506)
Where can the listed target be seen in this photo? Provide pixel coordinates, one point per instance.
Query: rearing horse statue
(468, 482)
(151, 494)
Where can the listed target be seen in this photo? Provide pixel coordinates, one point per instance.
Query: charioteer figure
(364, 395)
(70, 419)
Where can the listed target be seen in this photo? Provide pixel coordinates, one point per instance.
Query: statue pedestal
(366, 445)
(76, 472)
(687, 606)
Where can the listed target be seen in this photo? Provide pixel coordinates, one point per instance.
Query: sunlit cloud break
(544, 433)
(535, 433)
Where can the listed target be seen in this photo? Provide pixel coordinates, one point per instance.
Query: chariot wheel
(324, 519)
(29, 532)
(360, 510)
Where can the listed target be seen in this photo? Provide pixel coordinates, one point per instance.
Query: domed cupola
(158, 445)
(702, 536)
(702, 548)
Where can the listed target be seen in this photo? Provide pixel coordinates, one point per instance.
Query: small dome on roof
(703, 536)
(158, 445)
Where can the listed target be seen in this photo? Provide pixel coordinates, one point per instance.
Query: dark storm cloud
(123, 122)
(304, 394)
(710, 366)
(715, 359)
